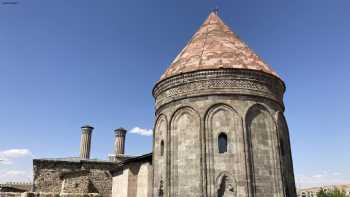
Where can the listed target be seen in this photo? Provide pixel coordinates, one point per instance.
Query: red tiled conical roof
(215, 46)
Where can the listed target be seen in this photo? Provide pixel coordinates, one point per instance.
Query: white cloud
(15, 173)
(317, 176)
(5, 161)
(321, 179)
(141, 131)
(15, 176)
(7, 156)
(15, 153)
(15, 165)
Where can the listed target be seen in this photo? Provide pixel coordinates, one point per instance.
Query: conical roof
(215, 46)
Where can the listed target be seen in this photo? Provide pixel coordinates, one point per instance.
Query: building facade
(220, 128)
(133, 177)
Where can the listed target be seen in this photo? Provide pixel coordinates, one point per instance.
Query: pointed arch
(283, 134)
(223, 119)
(185, 148)
(160, 119)
(225, 185)
(160, 139)
(286, 160)
(261, 140)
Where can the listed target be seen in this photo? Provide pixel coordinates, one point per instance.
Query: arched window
(161, 148)
(222, 143)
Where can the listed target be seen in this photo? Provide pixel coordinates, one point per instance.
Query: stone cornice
(219, 82)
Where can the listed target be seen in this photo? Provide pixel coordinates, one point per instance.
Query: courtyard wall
(75, 176)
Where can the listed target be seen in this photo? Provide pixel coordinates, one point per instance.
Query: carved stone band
(219, 82)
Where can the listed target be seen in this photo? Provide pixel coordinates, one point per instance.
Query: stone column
(85, 143)
(119, 144)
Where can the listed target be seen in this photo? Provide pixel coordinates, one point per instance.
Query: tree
(322, 193)
(333, 193)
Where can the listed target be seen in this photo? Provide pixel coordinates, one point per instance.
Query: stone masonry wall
(144, 181)
(237, 116)
(234, 109)
(73, 176)
(120, 183)
(10, 194)
(133, 180)
(36, 194)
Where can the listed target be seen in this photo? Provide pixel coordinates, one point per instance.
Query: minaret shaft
(119, 144)
(85, 142)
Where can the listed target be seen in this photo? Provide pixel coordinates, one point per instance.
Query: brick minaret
(119, 144)
(85, 143)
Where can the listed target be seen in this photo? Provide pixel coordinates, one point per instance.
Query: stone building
(220, 131)
(74, 174)
(220, 128)
(133, 178)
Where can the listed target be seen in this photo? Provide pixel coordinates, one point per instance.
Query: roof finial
(216, 10)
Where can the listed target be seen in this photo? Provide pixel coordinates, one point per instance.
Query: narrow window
(161, 148)
(222, 142)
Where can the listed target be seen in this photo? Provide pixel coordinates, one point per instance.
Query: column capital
(87, 129)
(120, 131)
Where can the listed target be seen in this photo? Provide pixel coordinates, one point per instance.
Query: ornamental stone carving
(225, 81)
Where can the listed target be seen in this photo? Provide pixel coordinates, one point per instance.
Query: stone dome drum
(220, 129)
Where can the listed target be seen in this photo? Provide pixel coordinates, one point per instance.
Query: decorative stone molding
(219, 82)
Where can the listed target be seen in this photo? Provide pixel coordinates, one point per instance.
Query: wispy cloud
(142, 131)
(321, 179)
(15, 153)
(7, 156)
(16, 176)
(15, 165)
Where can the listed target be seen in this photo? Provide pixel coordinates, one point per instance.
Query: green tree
(333, 193)
(322, 193)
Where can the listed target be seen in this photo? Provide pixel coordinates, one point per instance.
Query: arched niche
(283, 135)
(159, 160)
(261, 134)
(285, 155)
(186, 153)
(225, 185)
(160, 132)
(223, 120)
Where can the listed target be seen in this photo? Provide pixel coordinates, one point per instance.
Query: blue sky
(64, 64)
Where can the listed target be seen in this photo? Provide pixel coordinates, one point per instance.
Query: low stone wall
(16, 187)
(82, 176)
(10, 194)
(42, 194)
